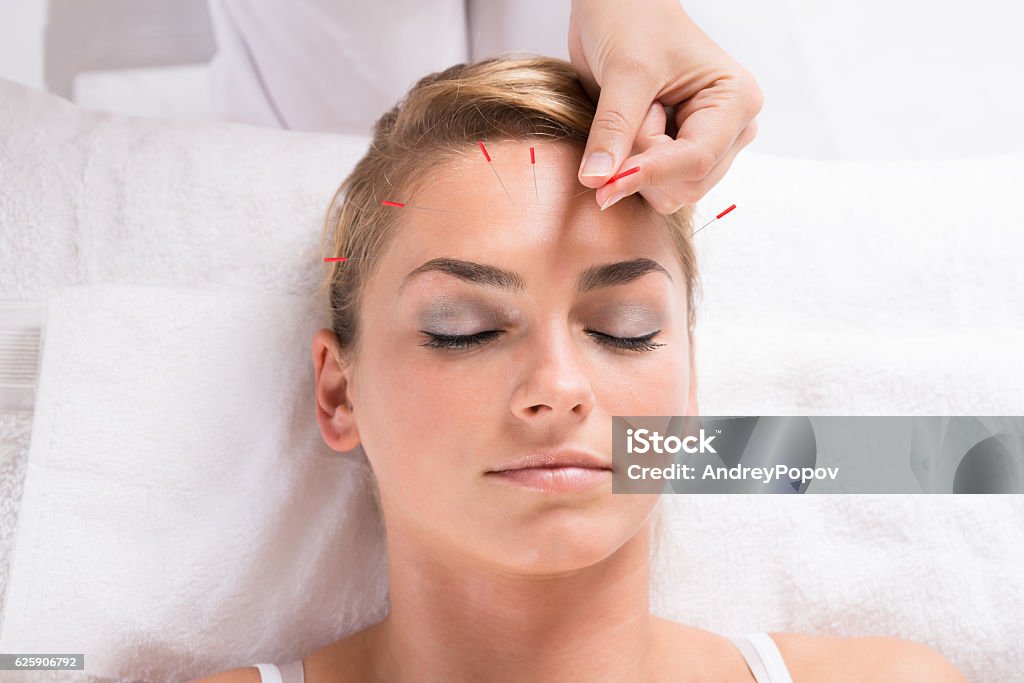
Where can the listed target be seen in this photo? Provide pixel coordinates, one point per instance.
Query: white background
(876, 79)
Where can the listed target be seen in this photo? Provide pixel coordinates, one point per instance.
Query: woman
(484, 330)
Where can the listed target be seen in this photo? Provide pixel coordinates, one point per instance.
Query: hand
(637, 58)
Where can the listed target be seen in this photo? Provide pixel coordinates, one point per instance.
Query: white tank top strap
(763, 658)
(291, 672)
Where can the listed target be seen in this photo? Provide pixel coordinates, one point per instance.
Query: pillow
(181, 514)
(826, 279)
(89, 200)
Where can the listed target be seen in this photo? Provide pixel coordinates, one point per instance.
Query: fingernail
(597, 164)
(614, 198)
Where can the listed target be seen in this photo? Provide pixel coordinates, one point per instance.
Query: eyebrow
(595, 277)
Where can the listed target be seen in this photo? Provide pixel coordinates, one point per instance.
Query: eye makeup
(627, 319)
(449, 316)
(451, 325)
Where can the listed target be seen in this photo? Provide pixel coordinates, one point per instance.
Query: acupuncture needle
(491, 164)
(611, 180)
(402, 205)
(713, 220)
(533, 166)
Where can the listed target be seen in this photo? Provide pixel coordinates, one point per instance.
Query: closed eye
(459, 341)
(629, 343)
(446, 341)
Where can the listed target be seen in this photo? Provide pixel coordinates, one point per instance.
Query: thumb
(623, 103)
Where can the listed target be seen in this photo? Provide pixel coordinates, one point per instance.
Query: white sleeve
(328, 65)
(536, 26)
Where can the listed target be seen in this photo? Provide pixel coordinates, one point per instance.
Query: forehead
(512, 212)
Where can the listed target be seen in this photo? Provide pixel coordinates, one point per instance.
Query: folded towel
(181, 514)
(895, 249)
(89, 197)
(804, 370)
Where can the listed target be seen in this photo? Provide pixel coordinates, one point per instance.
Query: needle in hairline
(491, 164)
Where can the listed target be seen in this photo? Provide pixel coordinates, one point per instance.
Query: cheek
(658, 385)
(419, 405)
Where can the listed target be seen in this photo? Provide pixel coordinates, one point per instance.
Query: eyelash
(444, 341)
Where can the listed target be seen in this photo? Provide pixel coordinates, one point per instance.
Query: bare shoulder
(342, 660)
(347, 659)
(709, 656)
(245, 674)
(863, 659)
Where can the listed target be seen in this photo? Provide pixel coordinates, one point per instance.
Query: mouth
(562, 471)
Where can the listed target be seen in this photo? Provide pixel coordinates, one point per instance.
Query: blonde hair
(445, 113)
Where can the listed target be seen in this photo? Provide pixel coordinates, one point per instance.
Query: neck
(465, 621)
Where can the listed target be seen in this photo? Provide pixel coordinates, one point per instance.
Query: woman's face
(488, 333)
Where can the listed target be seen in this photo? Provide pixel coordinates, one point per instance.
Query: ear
(334, 411)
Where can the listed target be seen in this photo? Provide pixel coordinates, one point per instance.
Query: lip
(555, 471)
(553, 459)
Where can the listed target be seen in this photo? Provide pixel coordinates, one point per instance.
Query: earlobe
(331, 394)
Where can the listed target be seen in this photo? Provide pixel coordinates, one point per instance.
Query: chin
(564, 542)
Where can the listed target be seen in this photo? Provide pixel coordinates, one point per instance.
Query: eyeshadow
(633, 318)
(448, 311)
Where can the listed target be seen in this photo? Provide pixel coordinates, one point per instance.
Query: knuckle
(652, 174)
(755, 96)
(631, 64)
(690, 197)
(703, 163)
(672, 194)
(748, 134)
(691, 193)
(670, 206)
(757, 103)
(611, 120)
(663, 206)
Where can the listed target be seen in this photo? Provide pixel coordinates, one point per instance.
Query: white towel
(181, 514)
(943, 570)
(87, 197)
(853, 288)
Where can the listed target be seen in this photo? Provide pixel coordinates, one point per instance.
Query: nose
(556, 384)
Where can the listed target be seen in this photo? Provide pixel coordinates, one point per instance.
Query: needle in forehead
(533, 166)
(491, 164)
(402, 205)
